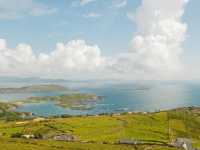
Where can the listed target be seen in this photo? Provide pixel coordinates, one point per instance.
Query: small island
(66, 97)
(72, 100)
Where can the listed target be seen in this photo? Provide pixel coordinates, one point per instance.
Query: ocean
(118, 96)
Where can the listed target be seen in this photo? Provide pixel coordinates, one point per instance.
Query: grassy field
(152, 131)
(153, 127)
(185, 123)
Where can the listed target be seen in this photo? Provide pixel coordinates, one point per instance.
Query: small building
(183, 143)
(65, 137)
(27, 136)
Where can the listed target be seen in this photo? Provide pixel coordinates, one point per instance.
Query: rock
(130, 142)
(38, 119)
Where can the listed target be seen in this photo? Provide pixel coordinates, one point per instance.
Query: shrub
(16, 135)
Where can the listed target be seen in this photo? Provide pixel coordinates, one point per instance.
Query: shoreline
(185, 108)
(158, 128)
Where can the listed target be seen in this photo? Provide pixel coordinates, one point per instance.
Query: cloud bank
(15, 9)
(155, 53)
(73, 57)
(157, 45)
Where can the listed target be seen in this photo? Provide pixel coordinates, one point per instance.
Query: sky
(126, 39)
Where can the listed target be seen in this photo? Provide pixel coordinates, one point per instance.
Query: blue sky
(192, 50)
(106, 23)
(112, 31)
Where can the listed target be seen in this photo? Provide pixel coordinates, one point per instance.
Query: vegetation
(154, 131)
(127, 131)
(7, 113)
(70, 100)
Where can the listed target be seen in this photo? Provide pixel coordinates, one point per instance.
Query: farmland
(154, 131)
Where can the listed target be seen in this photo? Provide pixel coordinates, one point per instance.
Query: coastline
(135, 129)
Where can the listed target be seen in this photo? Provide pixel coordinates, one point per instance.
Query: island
(65, 97)
(71, 100)
(8, 113)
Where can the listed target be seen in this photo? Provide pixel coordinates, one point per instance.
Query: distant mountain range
(32, 79)
(37, 80)
(35, 88)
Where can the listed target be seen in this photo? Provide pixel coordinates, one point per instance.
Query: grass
(185, 123)
(97, 128)
(155, 130)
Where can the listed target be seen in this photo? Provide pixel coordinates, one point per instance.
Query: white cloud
(74, 56)
(120, 3)
(14, 9)
(157, 45)
(155, 53)
(15, 61)
(92, 15)
(84, 2)
(43, 11)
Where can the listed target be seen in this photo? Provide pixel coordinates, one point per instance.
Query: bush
(38, 135)
(16, 135)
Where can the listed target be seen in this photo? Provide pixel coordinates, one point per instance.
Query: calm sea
(118, 97)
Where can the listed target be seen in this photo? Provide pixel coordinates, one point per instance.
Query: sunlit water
(119, 97)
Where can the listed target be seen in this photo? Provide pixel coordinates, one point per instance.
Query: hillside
(134, 131)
